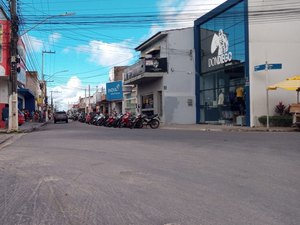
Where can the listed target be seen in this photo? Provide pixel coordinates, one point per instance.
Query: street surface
(78, 174)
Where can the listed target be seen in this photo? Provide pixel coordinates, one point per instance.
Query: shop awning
(290, 84)
(153, 50)
(26, 93)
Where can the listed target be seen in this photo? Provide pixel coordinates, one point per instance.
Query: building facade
(164, 78)
(231, 42)
(5, 86)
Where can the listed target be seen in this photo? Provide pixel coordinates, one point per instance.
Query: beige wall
(275, 41)
(32, 82)
(3, 91)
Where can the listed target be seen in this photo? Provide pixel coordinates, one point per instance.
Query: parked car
(21, 117)
(60, 116)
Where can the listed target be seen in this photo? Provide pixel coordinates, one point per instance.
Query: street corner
(5, 137)
(31, 126)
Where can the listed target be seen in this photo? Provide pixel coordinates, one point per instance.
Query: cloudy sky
(96, 37)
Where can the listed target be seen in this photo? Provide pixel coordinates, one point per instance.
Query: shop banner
(114, 91)
(156, 65)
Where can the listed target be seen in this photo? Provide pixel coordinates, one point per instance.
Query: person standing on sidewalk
(5, 112)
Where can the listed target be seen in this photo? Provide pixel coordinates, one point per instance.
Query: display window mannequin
(221, 98)
(240, 99)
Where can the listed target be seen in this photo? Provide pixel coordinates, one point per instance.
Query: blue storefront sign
(114, 91)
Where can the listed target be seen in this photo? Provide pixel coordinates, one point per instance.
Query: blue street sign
(260, 67)
(274, 66)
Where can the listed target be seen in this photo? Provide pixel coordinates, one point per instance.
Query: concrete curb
(25, 129)
(220, 128)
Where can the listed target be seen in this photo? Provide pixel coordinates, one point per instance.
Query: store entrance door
(222, 96)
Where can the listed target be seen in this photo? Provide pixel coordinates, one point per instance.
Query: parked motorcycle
(126, 120)
(100, 120)
(94, 119)
(116, 123)
(143, 120)
(81, 117)
(110, 120)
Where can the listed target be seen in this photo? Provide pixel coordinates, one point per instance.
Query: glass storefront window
(222, 66)
(223, 39)
(147, 101)
(148, 104)
(216, 108)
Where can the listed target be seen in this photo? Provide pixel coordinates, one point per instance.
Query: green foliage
(277, 121)
(280, 108)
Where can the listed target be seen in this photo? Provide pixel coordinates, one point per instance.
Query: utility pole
(89, 109)
(52, 99)
(44, 83)
(85, 101)
(13, 96)
(45, 52)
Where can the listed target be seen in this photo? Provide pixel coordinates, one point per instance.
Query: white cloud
(32, 43)
(67, 50)
(65, 95)
(69, 93)
(55, 37)
(108, 54)
(188, 11)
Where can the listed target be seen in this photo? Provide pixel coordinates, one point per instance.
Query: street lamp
(44, 20)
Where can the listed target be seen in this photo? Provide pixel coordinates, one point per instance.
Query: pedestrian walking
(5, 114)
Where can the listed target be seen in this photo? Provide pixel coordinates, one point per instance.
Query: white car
(60, 116)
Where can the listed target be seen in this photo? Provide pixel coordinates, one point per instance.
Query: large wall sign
(215, 49)
(114, 91)
(219, 42)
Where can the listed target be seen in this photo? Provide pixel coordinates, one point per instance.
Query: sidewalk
(25, 128)
(30, 126)
(228, 128)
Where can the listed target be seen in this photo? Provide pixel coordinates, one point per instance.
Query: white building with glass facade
(233, 44)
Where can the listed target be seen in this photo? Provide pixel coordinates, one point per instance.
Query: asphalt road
(76, 174)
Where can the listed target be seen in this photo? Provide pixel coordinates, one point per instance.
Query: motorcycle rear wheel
(154, 124)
